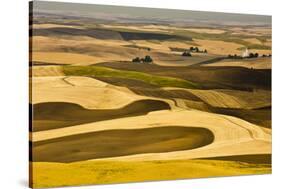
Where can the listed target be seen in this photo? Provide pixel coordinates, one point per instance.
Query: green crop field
(99, 71)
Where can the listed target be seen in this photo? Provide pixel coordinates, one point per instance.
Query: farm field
(71, 174)
(127, 100)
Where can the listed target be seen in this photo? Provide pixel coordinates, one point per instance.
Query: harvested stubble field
(98, 118)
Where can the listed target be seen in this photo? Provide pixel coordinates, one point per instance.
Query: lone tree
(251, 55)
(196, 49)
(185, 53)
(256, 55)
(147, 59)
(205, 51)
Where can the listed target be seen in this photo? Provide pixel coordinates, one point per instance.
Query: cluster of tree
(264, 55)
(186, 53)
(235, 56)
(144, 48)
(146, 59)
(196, 49)
(253, 55)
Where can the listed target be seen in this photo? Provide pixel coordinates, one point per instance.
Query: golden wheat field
(119, 100)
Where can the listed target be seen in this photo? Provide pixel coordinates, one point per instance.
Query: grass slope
(99, 71)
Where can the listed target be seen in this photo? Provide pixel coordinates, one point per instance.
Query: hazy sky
(113, 12)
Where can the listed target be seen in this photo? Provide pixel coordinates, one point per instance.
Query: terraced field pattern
(99, 115)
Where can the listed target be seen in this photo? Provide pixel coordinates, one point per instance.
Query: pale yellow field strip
(156, 46)
(253, 31)
(45, 43)
(47, 26)
(223, 98)
(254, 65)
(218, 99)
(197, 30)
(219, 47)
(64, 58)
(41, 71)
(136, 28)
(262, 51)
(203, 30)
(87, 92)
(81, 50)
(164, 28)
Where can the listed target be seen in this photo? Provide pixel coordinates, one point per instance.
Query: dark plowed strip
(106, 34)
(261, 117)
(38, 63)
(96, 33)
(52, 115)
(252, 158)
(114, 143)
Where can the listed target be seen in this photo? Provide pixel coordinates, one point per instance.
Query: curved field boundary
(261, 117)
(85, 91)
(53, 115)
(114, 143)
(233, 136)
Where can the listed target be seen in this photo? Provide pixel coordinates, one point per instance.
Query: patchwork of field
(100, 118)
(238, 78)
